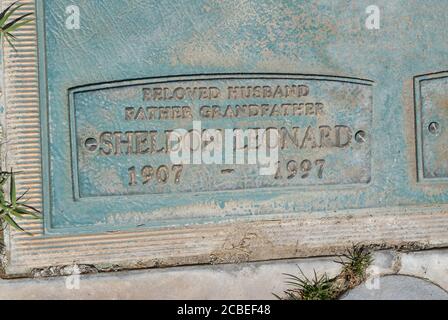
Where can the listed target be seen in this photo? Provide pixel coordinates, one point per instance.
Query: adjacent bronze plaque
(432, 126)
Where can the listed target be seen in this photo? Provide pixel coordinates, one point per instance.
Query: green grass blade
(7, 13)
(9, 220)
(13, 190)
(24, 212)
(30, 207)
(4, 205)
(11, 44)
(23, 195)
(18, 25)
(11, 35)
(11, 26)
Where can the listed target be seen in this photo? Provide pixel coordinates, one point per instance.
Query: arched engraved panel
(124, 135)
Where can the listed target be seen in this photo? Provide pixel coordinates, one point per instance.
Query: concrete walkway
(399, 288)
(244, 281)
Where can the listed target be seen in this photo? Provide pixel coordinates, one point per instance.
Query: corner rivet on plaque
(361, 136)
(434, 128)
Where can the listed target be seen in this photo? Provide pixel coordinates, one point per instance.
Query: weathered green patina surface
(344, 143)
(361, 116)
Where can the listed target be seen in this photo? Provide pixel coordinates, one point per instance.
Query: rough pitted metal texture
(377, 190)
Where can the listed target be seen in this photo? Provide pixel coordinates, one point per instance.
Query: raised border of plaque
(358, 174)
(358, 112)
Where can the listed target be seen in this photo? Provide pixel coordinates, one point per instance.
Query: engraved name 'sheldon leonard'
(314, 130)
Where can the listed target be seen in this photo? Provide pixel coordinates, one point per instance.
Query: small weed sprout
(317, 288)
(355, 263)
(13, 207)
(7, 27)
